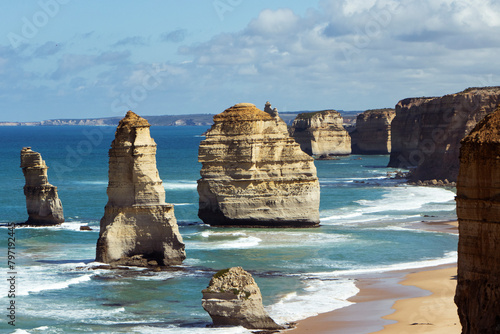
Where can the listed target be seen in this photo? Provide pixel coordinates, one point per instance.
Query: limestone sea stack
(321, 133)
(138, 227)
(426, 132)
(234, 299)
(373, 132)
(42, 202)
(478, 211)
(254, 174)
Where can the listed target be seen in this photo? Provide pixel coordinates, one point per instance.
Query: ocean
(367, 226)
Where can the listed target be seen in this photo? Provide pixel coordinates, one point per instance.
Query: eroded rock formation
(321, 133)
(42, 202)
(254, 174)
(234, 299)
(138, 227)
(426, 132)
(478, 211)
(373, 132)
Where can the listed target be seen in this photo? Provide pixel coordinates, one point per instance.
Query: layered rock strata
(254, 174)
(373, 132)
(321, 133)
(478, 211)
(234, 299)
(42, 201)
(426, 132)
(138, 228)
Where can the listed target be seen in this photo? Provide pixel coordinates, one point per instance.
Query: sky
(88, 59)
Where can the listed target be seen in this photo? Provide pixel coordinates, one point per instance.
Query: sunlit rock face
(373, 132)
(426, 132)
(42, 201)
(254, 174)
(138, 227)
(321, 133)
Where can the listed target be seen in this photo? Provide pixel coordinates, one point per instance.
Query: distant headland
(163, 120)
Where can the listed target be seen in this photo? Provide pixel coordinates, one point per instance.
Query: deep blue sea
(366, 227)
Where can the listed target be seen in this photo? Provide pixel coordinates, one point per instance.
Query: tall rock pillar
(138, 227)
(42, 202)
(478, 210)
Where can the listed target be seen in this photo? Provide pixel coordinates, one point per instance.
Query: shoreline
(386, 302)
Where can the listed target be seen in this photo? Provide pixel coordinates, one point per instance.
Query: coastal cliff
(42, 201)
(373, 132)
(138, 227)
(233, 299)
(426, 132)
(478, 211)
(254, 174)
(321, 133)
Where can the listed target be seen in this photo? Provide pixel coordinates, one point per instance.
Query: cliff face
(234, 299)
(478, 211)
(254, 174)
(42, 202)
(321, 133)
(373, 132)
(138, 227)
(426, 132)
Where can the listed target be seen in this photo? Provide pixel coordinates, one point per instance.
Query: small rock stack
(43, 203)
(234, 299)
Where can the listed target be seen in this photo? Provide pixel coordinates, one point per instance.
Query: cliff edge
(478, 211)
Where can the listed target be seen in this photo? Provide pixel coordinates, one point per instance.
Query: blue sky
(85, 59)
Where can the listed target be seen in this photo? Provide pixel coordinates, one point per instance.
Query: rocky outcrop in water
(426, 132)
(373, 132)
(42, 202)
(321, 133)
(138, 227)
(234, 299)
(478, 211)
(254, 174)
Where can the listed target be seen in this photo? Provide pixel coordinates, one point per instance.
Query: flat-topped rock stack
(321, 133)
(426, 132)
(373, 132)
(478, 211)
(254, 174)
(138, 227)
(42, 201)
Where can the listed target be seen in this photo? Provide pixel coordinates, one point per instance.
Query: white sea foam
(180, 185)
(317, 296)
(188, 330)
(448, 258)
(39, 286)
(396, 204)
(95, 183)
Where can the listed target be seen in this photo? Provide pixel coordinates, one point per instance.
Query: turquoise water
(366, 227)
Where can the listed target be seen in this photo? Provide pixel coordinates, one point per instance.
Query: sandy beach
(408, 301)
